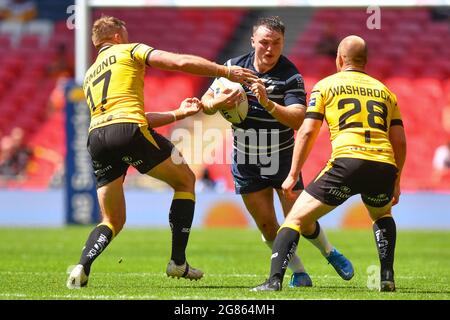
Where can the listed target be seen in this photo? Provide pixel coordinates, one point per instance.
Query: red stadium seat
(431, 87)
(327, 15)
(30, 41)
(418, 14)
(309, 84)
(434, 71)
(5, 42)
(379, 68)
(438, 29)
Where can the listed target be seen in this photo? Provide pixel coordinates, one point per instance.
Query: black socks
(385, 233)
(98, 240)
(180, 218)
(283, 249)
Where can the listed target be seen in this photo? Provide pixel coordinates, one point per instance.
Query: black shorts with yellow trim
(345, 177)
(113, 148)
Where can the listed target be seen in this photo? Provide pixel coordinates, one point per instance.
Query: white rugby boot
(77, 278)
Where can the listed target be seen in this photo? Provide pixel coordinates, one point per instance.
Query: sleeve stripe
(316, 91)
(133, 50)
(294, 77)
(314, 115)
(147, 53)
(396, 122)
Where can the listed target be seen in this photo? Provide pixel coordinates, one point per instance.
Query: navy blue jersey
(285, 86)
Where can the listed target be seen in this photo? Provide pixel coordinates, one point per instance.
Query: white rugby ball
(239, 112)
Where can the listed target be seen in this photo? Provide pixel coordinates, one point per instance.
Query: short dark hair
(273, 23)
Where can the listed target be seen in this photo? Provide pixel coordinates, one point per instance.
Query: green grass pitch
(34, 263)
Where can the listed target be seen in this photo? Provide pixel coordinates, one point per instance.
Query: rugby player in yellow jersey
(369, 150)
(119, 136)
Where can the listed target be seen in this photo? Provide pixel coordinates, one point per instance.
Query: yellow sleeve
(139, 52)
(316, 107)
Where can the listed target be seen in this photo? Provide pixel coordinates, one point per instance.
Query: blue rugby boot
(341, 264)
(300, 279)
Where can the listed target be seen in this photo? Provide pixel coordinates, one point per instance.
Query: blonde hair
(104, 29)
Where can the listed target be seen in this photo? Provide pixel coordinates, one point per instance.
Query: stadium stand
(191, 31)
(405, 54)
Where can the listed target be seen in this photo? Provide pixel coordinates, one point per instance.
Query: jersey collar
(104, 48)
(355, 71)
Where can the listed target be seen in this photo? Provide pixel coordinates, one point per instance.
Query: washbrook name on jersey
(363, 91)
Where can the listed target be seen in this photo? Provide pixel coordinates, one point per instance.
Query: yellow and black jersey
(359, 111)
(114, 85)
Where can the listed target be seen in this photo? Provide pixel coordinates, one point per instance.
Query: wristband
(273, 109)
(174, 115)
(228, 72)
(210, 105)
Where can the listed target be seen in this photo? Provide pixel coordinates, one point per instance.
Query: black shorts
(249, 178)
(345, 177)
(115, 147)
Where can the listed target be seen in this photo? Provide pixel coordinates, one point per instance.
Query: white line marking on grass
(119, 297)
(10, 295)
(152, 274)
(76, 296)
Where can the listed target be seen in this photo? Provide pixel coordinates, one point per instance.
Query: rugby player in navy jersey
(264, 141)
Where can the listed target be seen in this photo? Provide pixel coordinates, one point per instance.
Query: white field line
(153, 274)
(110, 297)
(76, 296)
(125, 297)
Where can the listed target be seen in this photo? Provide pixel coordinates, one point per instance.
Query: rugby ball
(239, 112)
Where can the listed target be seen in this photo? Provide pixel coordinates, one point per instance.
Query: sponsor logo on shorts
(101, 172)
(129, 160)
(97, 164)
(343, 192)
(379, 198)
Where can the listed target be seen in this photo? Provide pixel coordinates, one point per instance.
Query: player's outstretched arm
(397, 138)
(188, 107)
(198, 66)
